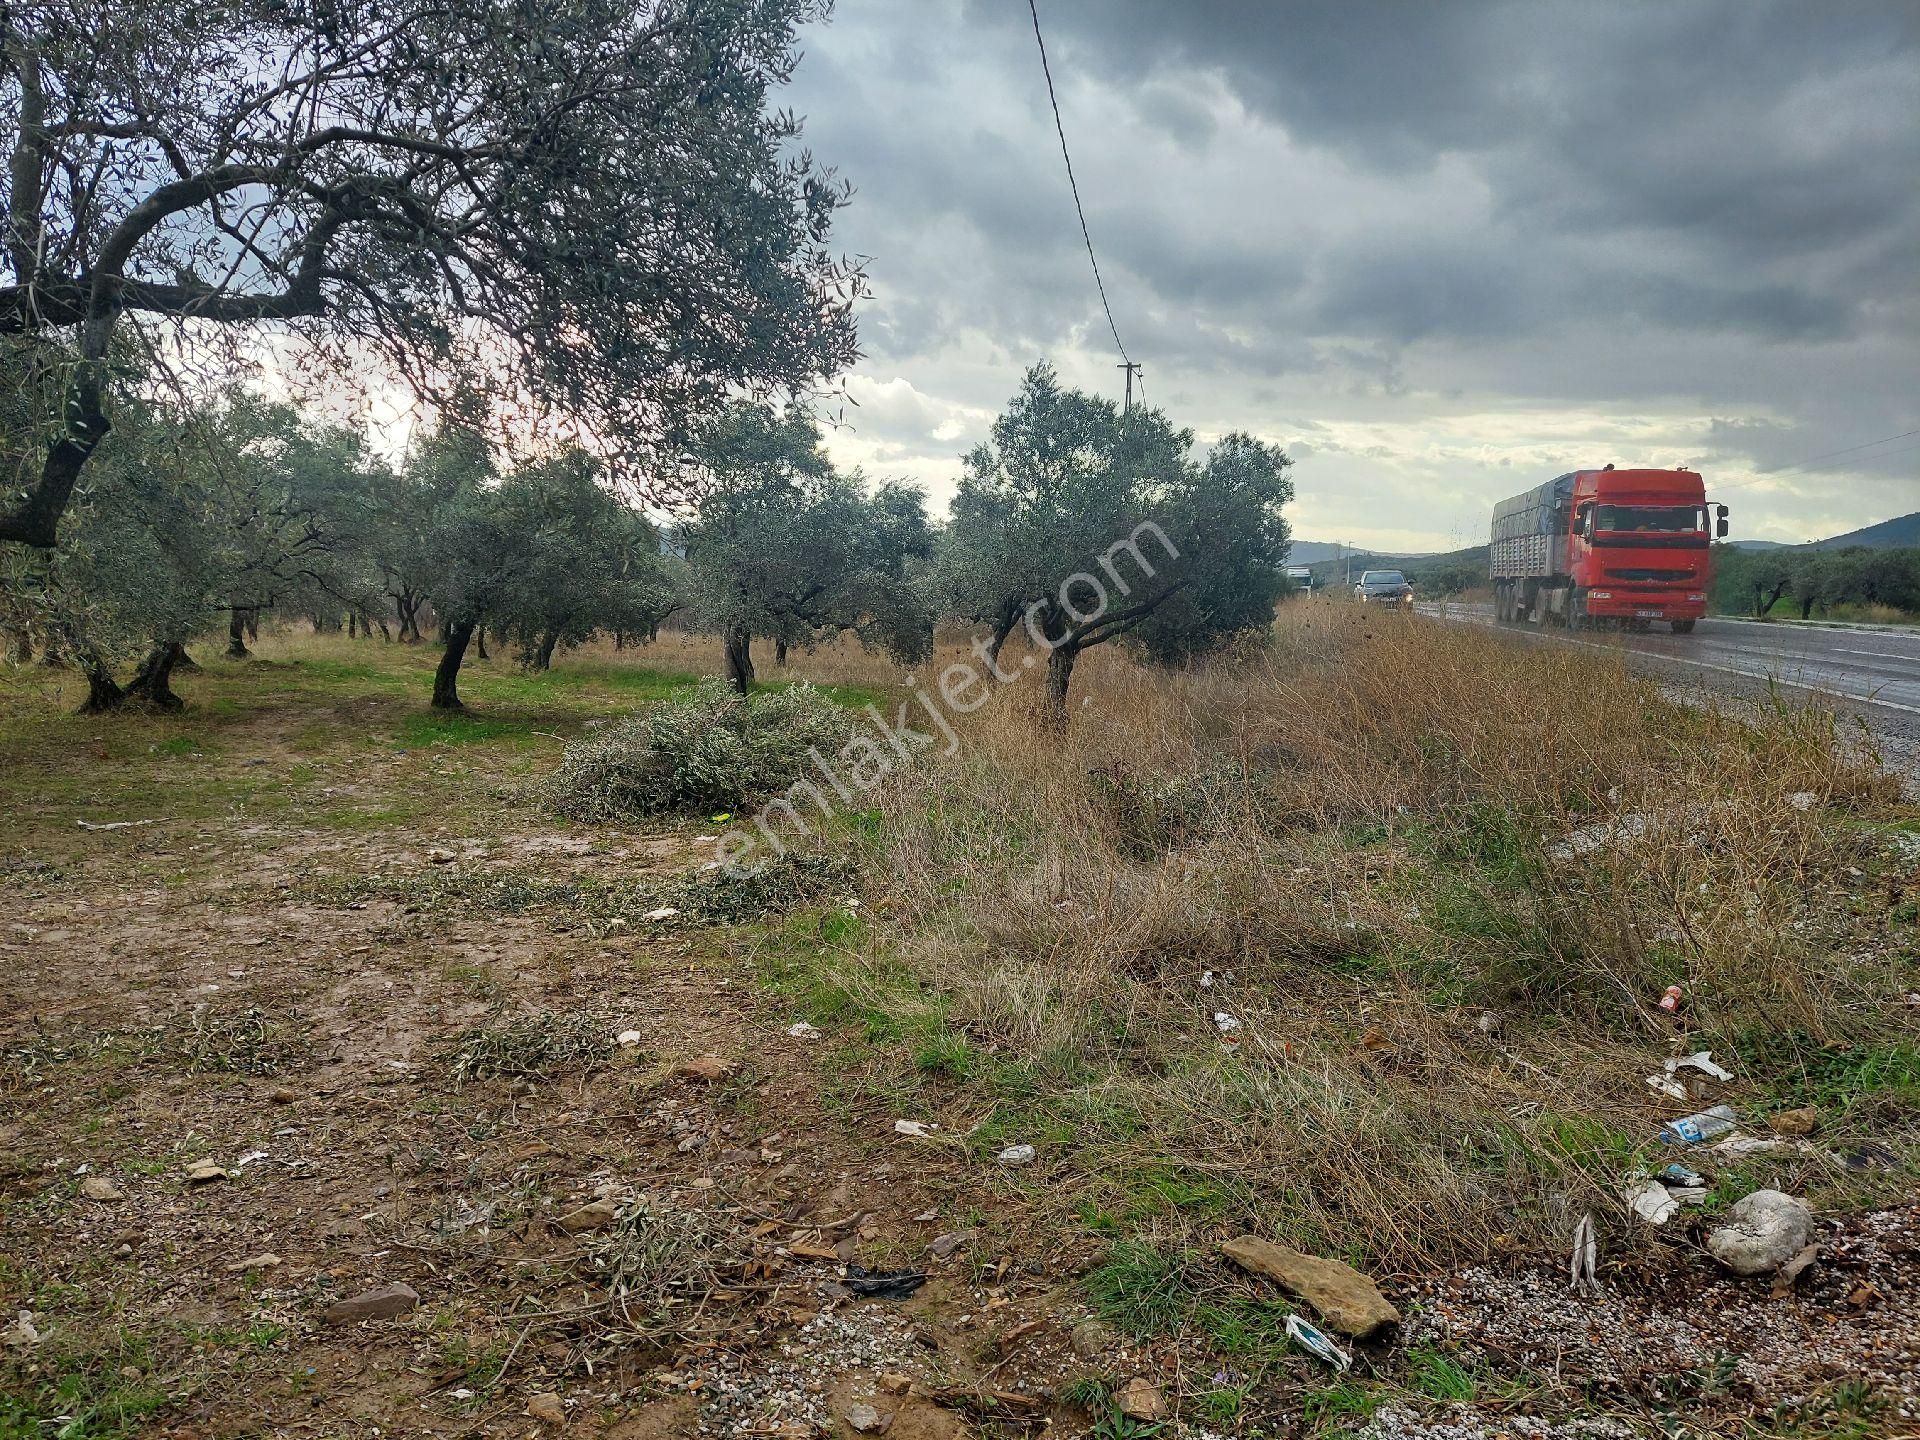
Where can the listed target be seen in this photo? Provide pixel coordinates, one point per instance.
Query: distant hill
(1894, 534)
(1903, 530)
(1445, 573)
(1311, 552)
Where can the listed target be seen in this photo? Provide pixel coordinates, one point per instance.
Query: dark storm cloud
(1389, 211)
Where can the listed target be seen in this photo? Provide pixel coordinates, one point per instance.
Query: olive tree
(1083, 524)
(580, 212)
(783, 546)
(591, 561)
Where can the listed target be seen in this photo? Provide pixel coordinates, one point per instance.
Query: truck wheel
(1683, 627)
(1577, 612)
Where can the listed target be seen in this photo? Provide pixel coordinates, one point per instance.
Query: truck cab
(1639, 548)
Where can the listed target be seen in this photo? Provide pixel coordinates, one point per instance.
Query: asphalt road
(1879, 668)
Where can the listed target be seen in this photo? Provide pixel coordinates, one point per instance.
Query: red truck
(1621, 547)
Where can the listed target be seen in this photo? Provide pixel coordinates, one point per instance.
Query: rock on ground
(1761, 1233)
(1347, 1300)
(389, 1302)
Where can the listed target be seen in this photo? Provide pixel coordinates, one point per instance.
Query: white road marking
(1877, 654)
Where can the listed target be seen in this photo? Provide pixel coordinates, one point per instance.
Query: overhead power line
(1831, 454)
(1072, 183)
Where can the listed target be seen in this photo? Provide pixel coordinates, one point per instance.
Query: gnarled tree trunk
(544, 659)
(237, 634)
(151, 688)
(103, 691)
(739, 645)
(780, 653)
(446, 678)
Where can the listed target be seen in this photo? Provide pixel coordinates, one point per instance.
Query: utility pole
(1346, 564)
(1129, 366)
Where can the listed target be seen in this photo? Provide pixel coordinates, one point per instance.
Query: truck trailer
(1615, 547)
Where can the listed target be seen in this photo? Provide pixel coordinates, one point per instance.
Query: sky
(1440, 252)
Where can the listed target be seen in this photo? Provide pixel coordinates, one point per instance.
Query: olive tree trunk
(151, 686)
(446, 678)
(739, 643)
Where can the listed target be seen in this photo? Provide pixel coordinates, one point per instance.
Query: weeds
(245, 1042)
(655, 1261)
(533, 1045)
(713, 750)
(1355, 846)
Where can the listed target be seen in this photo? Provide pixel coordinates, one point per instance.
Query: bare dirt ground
(312, 1015)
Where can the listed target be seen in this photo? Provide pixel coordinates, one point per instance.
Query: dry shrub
(713, 750)
(1355, 836)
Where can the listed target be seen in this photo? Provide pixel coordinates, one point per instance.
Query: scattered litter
(251, 1157)
(1224, 1023)
(915, 1129)
(1016, 1155)
(1870, 1157)
(1670, 1001)
(1803, 799)
(883, 1284)
(665, 912)
(114, 824)
(1701, 1060)
(1794, 1122)
(461, 1394)
(1691, 1130)
(1677, 1174)
(1317, 1344)
(1585, 1278)
(1761, 1233)
(1667, 1085)
(1651, 1202)
(1206, 979)
(801, 1030)
(1745, 1147)
(627, 1039)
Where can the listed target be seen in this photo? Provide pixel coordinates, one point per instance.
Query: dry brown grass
(1443, 1027)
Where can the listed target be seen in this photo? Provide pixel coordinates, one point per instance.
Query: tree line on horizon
(214, 515)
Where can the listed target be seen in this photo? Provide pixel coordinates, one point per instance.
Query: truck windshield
(1383, 577)
(1617, 518)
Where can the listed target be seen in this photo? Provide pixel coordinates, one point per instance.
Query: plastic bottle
(1707, 1125)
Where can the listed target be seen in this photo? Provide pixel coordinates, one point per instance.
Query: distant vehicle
(1383, 587)
(1616, 547)
(1301, 578)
